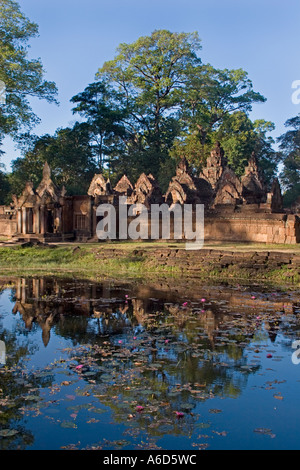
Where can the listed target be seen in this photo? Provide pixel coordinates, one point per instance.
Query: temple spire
(46, 171)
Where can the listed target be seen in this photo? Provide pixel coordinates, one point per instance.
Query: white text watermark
(160, 221)
(2, 92)
(296, 93)
(2, 353)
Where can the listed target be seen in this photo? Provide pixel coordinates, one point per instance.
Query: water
(166, 365)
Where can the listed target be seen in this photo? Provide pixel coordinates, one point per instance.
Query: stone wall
(8, 222)
(250, 264)
(8, 226)
(259, 228)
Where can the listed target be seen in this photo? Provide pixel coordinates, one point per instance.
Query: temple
(235, 209)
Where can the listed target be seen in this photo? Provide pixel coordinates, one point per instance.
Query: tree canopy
(154, 102)
(289, 153)
(23, 77)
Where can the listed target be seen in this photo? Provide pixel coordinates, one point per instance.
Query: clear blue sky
(78, 36)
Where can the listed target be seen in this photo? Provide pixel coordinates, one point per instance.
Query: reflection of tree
(15, 385)
(142, 351)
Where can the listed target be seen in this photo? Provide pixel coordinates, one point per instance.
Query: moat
(137, 365)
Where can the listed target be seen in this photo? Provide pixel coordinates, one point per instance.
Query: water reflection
(165, 347)
(46, 301)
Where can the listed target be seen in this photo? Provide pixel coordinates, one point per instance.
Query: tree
(152, 73)
(23, 77)
(239, 137)
(289, 153)
(104, 115)
(216, 104)
(67, 152)
(213, 94)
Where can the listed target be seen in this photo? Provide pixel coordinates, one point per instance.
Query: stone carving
(124, 187)
(253, 191)
(228, 189)
(146, 191)
(99, 186)
(187, 189)
(215, 166)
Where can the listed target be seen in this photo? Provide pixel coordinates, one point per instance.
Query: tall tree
(22, 77)
(239, 137)
(104, 115)
(152, 73)
(216, 103)
(289, 152)
(67, 152)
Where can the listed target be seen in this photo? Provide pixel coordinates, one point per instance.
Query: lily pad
(68, 424)
(8, 432)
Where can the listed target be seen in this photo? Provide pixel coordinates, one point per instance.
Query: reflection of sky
(13, 322)
(245, 399)
(7, 320)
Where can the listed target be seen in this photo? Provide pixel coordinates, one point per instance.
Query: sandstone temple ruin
(236, 209)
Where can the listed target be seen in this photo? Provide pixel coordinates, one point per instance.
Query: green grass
(93, 261)
(67, 259)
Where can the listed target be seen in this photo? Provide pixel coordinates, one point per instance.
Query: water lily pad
(32, 398)
(203, 425)
(262, 430)
(8, 432)
(186, 406)
(68, 424)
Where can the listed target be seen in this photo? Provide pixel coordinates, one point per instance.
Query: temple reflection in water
(50, 301)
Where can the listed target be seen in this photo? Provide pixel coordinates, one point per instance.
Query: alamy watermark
(2, 353)
(160, 221)
(296, 354)
(2, 92)
(296, 93)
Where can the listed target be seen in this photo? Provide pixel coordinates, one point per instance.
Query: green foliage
(23, 77)
(104, 116)
(178, 106)
(4, 188)
(289, 146)
(67, 152)
(239, 137)
(153, 103)
(151, 74)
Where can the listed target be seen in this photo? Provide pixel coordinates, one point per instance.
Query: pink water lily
(184, 304)
(203, 300)
(139, 408)
(79, 367)
(179, 414)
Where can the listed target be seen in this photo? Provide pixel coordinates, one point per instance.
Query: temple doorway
(30, 220)
(49, 221)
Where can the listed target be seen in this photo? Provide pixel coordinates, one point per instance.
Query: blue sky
(77, 37)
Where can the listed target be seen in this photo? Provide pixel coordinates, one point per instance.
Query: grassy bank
(133, 260)
(79, 259)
